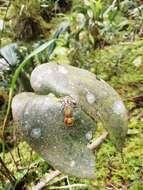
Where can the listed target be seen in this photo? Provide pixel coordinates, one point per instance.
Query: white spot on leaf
(62, 70)
(90, 98)
(118, 107)
(72, 164)
(26, 113)
(26, 125)
(38, 121)
(36, 133)
(88, 135)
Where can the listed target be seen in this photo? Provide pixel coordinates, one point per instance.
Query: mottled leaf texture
(41, 116)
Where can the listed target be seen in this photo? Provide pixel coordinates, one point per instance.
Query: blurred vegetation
(102, 37)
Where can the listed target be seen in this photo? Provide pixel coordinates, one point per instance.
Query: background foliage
(102, 37)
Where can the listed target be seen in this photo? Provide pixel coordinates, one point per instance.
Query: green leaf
(18, 71)
(10, 54)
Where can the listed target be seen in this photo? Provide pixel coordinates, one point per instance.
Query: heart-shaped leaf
(60, 135)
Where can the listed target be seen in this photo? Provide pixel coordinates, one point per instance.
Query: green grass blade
(17, 73)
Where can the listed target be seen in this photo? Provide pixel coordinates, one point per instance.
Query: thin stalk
(83, 186)
(5, 171)
(16, 76)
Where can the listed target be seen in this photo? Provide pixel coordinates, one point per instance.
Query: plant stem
(16, 76)
(98, 141)
(6, 172)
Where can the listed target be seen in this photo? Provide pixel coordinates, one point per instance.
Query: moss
(27, 24)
